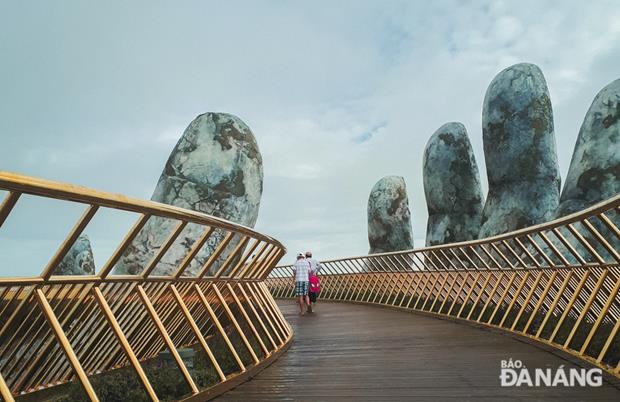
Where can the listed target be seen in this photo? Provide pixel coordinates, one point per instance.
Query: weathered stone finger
(520, 151)
(389, 219)
(451, 186)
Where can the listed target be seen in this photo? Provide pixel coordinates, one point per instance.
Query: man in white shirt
(315, 266)
(301, 268)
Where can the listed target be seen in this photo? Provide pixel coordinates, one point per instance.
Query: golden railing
(556, 283)
(55, 329)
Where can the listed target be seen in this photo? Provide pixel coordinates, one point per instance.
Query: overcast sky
(338, 94)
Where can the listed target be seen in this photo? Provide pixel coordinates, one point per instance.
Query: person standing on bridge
(301, 270)
(313, 279)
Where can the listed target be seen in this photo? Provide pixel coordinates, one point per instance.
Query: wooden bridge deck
(367, 353)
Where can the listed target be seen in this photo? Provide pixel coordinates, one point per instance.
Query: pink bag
(315, 283)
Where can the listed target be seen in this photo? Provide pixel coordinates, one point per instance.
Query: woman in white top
(315, 268)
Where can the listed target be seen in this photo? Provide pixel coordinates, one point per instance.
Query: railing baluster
(602, 241)
(526, 302)
(541, 300)
(540, 251)
(601, 316)
(422, 290)
(164, 334)
(265, 249)
(585, 243)
(498, 281)
(238, 249)
(108, 317)
(105, 308)
(163, 249)
(271, 320)
(243, 260)
(586, 307)
(610, 338)
(235, 323)
(216, 254)
(68, 242)
(502, 297)
(445, 281)
(264, 270)
(5, 392)
(348, 278)
(206, 304)
(197, 332)
(196, 247)
(248, 320)
(554, 304)
(471, 289)
(482, 288)
(7, 205)
(554, 249)
(118, 253)
(64, 343)
(569, 306)
(264, 292)
(473, 250)
(432, 290)
(258, 317)
(569, 246)
(43, 348)
(448, 274)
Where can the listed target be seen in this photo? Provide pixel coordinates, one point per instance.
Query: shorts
(313, 296)
(301, 288)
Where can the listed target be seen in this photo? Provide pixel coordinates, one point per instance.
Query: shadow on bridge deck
(358, 352)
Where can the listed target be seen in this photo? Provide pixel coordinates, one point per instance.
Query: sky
(337, 93)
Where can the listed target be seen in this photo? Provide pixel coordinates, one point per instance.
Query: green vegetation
(123, 384)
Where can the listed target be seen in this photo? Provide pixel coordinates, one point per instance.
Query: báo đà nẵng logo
(513, 373)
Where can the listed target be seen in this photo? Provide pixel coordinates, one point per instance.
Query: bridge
(435, 322)
(370, 353)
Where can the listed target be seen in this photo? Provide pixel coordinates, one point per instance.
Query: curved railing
(556, 283)
(55, 328)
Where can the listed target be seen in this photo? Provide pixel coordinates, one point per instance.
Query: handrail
(59, 327)
(70, 192)
(571, 218)
(556, 283)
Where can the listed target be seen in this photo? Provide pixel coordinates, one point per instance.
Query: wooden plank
(365, 353)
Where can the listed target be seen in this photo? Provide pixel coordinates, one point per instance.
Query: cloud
(337, 94)
(367, 135)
